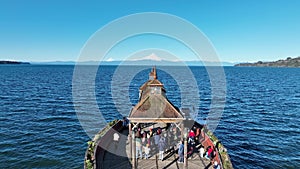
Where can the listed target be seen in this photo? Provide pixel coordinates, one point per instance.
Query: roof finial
(152, 74)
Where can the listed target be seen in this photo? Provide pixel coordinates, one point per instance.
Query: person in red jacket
(191, 137)
(192, 134)
(209, 152)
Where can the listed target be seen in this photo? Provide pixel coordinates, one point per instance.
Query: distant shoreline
(288, 62)
(137, 63)
(2, 62)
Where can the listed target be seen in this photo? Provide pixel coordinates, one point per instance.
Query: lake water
(40, 128)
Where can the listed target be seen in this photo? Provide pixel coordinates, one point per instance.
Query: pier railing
(222, 156)
(95, 150)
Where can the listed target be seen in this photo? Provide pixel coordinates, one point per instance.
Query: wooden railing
(223, 160)
(94, 158)
(208, 142)
(104, 142)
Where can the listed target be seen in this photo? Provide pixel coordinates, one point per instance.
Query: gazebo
(153, 108)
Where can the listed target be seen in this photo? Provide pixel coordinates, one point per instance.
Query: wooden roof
(155, 82)
(145, 85)
(154, 107)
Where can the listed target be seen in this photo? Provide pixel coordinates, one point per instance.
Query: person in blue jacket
(181, 152)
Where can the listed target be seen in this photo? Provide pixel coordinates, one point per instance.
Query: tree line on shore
(288, 62)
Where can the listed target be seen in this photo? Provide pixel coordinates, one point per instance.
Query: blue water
(40, 128)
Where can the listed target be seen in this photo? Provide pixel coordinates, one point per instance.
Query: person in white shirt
(116, 141)
(147, 151)
(216, 165)
(139, 153)
(201, 152)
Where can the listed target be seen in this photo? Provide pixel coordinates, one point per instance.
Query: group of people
(157, 140)
(195, 137)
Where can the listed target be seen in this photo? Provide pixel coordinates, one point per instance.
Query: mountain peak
(152, 56)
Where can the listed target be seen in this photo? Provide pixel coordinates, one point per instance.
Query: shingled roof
(154, 107)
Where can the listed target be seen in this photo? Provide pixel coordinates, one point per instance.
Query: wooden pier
(120, 160)
(157, 118)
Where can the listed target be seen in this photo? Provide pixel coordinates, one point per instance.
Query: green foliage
(89, 162)
(225, 160)
(112, 122)
(90, 155)
(89, 165)
(227, 165)
(289, 62)
(222, 151)
(212, 136)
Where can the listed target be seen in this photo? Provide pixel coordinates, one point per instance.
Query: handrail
(106, 132)
(213, 140)
(210, 143)
(117, 127)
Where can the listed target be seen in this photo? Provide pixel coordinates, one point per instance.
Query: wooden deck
(119, 159)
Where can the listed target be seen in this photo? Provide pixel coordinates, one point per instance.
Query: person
(125, 122)
(159, 131)
(149, 140)
(216, 165)
(161, 148)
(192, 134)
(156, 139)
(213, 153)
(167, 140)
(209, 152)
(202, 135)
(138, 133)
(116, 141)
(201, 151)
(174, 134)
(197, 135)
(190, 151)
(181, 152)
(151, 132)
(139, 147)
(144, 138)
(147, 151)
(191, 137)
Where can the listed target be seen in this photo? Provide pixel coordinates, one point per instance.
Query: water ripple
(40, 129)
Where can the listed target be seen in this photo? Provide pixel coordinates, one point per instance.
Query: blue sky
(241, 31)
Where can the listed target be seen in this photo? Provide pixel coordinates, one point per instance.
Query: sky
(240, 31)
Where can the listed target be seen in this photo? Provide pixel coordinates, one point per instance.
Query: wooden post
(156, 161)
(182, 132)
(185, 153)
(134, 151)
(130, 142)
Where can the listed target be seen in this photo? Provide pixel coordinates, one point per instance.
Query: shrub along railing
(95, 150)
(222, 157)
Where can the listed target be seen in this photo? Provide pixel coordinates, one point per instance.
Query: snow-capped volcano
(152, 56)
